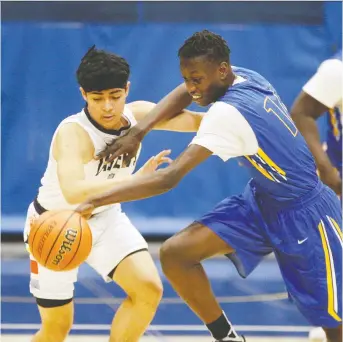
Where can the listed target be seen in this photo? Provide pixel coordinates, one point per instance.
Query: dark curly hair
(100, 70)
(206, 43)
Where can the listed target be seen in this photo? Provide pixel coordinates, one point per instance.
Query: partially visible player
(321, 95)
(284, 209)
(119, 251)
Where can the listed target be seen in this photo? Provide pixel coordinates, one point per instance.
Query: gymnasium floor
(258, 306)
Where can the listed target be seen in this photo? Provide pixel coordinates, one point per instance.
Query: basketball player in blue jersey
(321, 95)
(284, 209)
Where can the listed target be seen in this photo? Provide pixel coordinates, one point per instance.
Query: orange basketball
(60, 240)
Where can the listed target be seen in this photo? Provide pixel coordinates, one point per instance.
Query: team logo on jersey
(122, 161)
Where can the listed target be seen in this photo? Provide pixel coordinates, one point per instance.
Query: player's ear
(127, 89)
(223, 70)
(83, 93)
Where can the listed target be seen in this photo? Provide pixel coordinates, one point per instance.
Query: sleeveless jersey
(50, 195)
(283, 168)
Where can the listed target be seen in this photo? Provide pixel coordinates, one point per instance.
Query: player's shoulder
(329, 73)
(138, 109)
(76, 117)
(251, 76)
(72, 126)
(331, 67)
(76, 137)
(222, 111)
(248, 86)
(247, 81)
(74, 134)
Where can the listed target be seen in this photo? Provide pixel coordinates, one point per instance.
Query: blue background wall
(41, 53)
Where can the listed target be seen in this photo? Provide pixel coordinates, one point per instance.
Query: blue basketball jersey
(283, 168)
(334, 131)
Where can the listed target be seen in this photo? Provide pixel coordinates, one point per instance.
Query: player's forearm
(80, 190)
(136, 188)
(170, 106)
(309, 129)
(186, 122)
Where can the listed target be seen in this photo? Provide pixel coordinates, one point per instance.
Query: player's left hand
(154, 162)
(85, 209)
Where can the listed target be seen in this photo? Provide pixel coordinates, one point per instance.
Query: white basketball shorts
(114, 237)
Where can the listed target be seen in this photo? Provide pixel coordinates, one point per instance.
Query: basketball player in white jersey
(119, 251)
(321, 95)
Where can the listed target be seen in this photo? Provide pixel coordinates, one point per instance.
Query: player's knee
(152, 291)
(149, 292)
(171, 254)
(168, 253)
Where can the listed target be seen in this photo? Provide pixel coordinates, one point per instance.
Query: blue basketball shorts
(305, 236)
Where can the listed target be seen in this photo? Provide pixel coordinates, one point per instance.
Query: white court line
(112, 300)
(100, 327)
(102, 338)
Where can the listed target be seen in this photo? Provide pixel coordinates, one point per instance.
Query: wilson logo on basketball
(69, 238)
(45, 236)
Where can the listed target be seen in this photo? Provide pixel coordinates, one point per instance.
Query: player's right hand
(128, 144)
(85, 209)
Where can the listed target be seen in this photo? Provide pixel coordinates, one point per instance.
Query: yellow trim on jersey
(332, 294)
(260, 168)
(264, 157)
(262, 154)
(336, 227)
(334, 123)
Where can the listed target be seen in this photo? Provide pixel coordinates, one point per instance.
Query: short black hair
(100, 70)
(206, 43)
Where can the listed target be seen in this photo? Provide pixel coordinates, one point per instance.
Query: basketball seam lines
(52, 247)
(77, 246)
(34, 236)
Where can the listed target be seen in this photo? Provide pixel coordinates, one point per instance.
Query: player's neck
(123, 122)
(230, 79)
(120, 125)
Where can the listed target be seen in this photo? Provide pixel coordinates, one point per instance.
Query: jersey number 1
(278, 109)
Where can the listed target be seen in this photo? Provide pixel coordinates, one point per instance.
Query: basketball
(60, 240)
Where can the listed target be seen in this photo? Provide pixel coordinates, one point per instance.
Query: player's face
(203, 79)
(107, 106)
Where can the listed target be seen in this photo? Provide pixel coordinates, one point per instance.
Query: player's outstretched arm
(305, 111)
(169, 107)
(186, 121)
(151, 185)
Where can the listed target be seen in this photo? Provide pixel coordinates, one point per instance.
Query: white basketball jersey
(50, 195)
